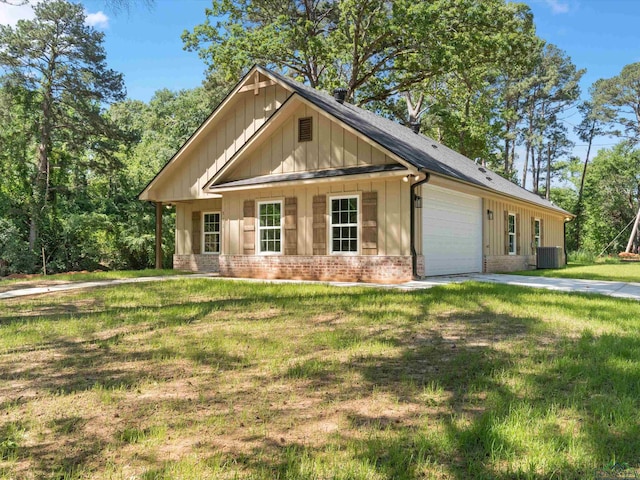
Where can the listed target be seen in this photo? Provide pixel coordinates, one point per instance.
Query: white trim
(144, 195)
(315, 181)
(515, 233)
(358, 222)
(537, 238)
(203, 233)
(288, 106)
(259, 229)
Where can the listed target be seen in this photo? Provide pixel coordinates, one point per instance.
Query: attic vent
(482, 170)
(304, 129)
(434, 145)
(490, 179)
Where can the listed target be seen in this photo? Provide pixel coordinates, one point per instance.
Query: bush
(582, 256)
(15, 255)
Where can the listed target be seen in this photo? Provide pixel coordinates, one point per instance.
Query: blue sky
(144, 42)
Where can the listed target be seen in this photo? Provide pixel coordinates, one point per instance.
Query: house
(284, 181)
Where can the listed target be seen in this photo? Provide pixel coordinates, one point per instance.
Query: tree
(374, 48)
(62, 61)
(611, 196)
(619, 101)
(552, 87)
(591, 126)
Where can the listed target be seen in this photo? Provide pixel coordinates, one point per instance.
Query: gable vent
(304, 129)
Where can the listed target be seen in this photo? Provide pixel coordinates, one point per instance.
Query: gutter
(414, 254)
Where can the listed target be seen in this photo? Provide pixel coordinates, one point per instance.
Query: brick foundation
(197, 263)
(508, 263)
(376, 269)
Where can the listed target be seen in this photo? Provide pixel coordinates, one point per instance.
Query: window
(536, 232)
(304, 129)
(344, 224)
(270, 227)
(211, 233)
(512, 233)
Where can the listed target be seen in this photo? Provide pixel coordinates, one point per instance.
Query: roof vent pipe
(415, 126)
(340, 94)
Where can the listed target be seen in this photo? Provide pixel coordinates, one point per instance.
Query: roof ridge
(416, 148)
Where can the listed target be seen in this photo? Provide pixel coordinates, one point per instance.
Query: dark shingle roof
(287, 177)
(417, 149)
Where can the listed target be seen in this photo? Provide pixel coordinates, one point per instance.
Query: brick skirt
(361, 268)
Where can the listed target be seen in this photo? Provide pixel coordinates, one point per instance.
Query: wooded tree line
(74, 153)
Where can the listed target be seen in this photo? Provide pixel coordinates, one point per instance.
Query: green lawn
(199, 379)
(30, 281)
(618, 272)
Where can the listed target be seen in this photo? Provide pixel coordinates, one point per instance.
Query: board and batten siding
(392, 204)
(332, 146)
(241, 118)
(184, 225)
(494, 230)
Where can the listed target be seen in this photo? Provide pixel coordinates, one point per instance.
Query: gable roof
(419, 150)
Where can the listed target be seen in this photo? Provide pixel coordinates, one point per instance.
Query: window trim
(537, 239)
(358, 222)
(204, 234)
(514, 234)
(259, 228)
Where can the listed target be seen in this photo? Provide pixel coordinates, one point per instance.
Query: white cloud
(557, 6)
(10, 14)
(98, 20)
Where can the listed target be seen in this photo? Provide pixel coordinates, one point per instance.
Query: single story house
(285, 181)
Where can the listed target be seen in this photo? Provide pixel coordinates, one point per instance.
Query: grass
(235, 380)
(617, 272)
(32, 280)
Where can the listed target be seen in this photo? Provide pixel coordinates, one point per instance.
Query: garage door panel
(452, 231)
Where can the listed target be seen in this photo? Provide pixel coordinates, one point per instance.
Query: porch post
(158, 235)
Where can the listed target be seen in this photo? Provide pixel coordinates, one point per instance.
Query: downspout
(414, 254)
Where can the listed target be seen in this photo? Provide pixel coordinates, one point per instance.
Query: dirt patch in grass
(198, 379)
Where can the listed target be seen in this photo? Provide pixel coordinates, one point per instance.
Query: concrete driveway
(612, 289)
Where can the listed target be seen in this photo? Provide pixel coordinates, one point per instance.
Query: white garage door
(451, 231)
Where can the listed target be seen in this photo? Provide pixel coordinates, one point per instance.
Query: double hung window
(536, 233)
(511, 233)
(211, 232)
(344, 224)
(270, 227)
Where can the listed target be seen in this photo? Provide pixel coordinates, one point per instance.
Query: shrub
(15, 255)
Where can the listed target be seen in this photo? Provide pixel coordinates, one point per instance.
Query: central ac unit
(549, 257)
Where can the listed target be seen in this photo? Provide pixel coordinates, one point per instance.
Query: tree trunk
(534, 177)
(547, 192)
(634, 230)
(526, 165)
(581, 191)
(41, 180)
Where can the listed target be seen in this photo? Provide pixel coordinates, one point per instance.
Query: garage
(451, 231)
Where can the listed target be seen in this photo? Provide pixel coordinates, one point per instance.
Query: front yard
(615, 272)
(201, 379)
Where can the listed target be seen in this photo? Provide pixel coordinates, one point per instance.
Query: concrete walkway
(612, 289)
(24, 292)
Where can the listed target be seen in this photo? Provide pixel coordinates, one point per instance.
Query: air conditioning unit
(549, 257)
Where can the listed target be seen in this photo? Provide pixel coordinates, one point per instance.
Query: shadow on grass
(461, 352)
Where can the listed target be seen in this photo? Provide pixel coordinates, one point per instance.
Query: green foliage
(15, 255)
(618, 98)
(611, 194)
(85, 214)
